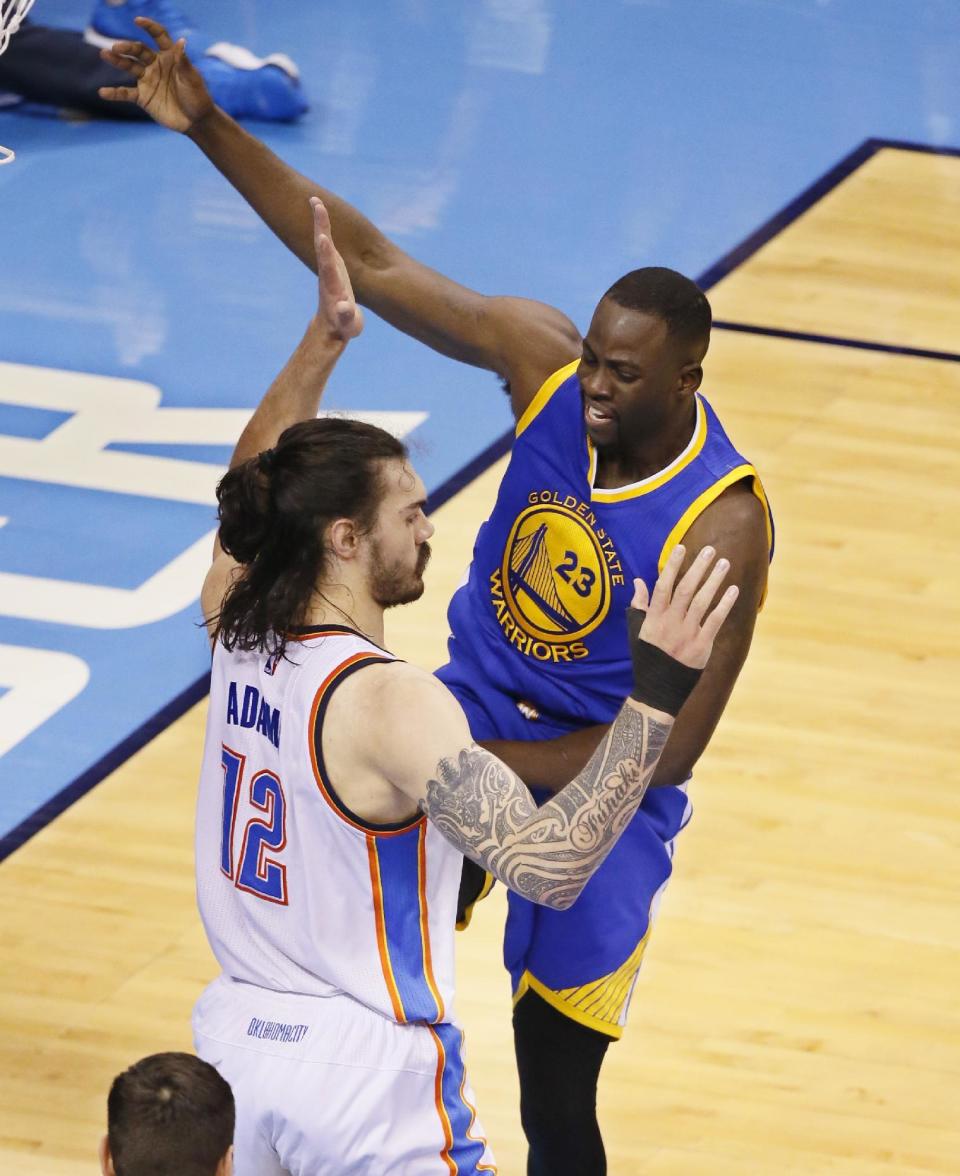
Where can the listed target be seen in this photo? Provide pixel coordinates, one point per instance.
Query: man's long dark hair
(170, 1112)
(274, 510)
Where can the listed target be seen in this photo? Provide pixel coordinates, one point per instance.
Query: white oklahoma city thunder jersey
(297, 893)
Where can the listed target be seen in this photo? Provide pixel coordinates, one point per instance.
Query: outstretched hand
(168, 88)
(680, 619)
(337, 310)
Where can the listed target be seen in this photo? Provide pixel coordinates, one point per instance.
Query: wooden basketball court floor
(797, 1012)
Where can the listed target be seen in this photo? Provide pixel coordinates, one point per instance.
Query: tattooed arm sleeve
(424, 749)
(547, 854)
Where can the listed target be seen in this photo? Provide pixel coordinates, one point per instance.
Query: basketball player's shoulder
(737, 525)
(395, 694)
(360, 692)
(544, 341)
(737, 514)
(537, 333)
(409, 716)
(401, 691)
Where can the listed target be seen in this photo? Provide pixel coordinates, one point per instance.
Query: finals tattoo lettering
(547, 854)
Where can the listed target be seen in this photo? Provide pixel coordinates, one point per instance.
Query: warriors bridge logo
(553, 586)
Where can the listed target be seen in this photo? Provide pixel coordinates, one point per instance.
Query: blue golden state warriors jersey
(541, 618)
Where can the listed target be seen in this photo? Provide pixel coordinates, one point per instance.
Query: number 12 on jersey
(258, 874)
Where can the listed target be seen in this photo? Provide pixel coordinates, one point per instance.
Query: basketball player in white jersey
(340, 789)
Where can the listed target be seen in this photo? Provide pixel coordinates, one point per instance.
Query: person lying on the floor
(62, 68)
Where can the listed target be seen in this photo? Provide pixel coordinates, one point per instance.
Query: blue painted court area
(529, 147)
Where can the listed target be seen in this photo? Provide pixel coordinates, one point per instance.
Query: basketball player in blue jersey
(340, 789)
(617, 459)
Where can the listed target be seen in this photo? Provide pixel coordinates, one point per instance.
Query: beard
(393, 584)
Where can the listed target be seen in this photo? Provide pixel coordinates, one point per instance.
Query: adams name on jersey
(297, 893)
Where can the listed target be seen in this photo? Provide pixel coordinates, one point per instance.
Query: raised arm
(483, 808)
(295, 394)
(523, 341)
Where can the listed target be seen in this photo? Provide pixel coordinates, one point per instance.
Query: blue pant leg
(602, 933)
(604, 926)
(56, 67)
(584, 960)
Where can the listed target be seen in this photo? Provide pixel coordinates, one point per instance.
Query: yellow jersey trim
(544, 392)
(758, 489)
(655, 481)
(599, 1004)
(711, 494)
(485, 889)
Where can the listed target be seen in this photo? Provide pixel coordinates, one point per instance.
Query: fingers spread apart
(711, 626)
(703, 598)
(129, 65)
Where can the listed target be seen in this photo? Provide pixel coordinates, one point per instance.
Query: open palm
(168, 88)
(337, 307)
(681, 618)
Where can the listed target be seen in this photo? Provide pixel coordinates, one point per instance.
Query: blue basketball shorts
(584, 961)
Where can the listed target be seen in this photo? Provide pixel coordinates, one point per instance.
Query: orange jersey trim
(445, 1155)
(425, 922)
(473, 1113)
(376, 886)
(321, 632)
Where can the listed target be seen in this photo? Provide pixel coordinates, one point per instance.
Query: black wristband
(659, 680)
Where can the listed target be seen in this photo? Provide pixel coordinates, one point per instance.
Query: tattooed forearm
(547, 854)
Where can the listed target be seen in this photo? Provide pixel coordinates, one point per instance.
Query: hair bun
(243, 499)
(267, 461)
